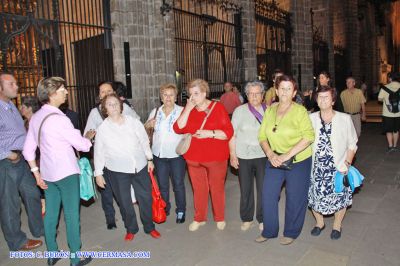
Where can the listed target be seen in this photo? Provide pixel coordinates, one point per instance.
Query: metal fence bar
(206, 45)
(273, 38)
(62, 28)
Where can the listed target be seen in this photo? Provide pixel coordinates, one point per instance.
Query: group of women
(273, 144)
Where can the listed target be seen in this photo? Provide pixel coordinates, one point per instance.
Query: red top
(230, 101)
(208, 149)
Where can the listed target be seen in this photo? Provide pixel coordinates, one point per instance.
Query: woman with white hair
(246, 153)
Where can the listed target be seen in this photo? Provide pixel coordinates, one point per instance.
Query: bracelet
(150, 160)
(34, 169)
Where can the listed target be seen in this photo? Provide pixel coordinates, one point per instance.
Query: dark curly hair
(325, 89)
(286, 78)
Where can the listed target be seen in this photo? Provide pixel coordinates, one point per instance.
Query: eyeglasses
(62, 89)
(285, 88)
(257, 94)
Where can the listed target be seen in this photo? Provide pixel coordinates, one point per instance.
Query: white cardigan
(343, 137)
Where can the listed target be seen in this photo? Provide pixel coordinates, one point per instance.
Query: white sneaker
(261, 226)
(195, 225)
(246, 226)
(221, 225)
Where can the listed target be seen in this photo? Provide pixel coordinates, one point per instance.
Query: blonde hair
(168, 86)
(201, 83)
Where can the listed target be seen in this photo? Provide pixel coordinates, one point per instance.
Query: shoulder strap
(155, 115)
(388, 90)
(41, 124)
(208, 114)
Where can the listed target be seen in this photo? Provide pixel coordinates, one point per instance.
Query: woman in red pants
(208, 153)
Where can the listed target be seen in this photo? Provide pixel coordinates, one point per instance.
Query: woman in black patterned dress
(334, 149)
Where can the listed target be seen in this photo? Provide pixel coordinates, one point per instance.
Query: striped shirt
(12, 130)
(352, 100)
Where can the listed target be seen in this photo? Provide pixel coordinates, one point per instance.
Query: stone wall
(152, 59)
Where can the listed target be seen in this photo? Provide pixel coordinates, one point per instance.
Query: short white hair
(254, 84)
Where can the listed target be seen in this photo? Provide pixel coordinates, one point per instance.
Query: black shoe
(335, 234)
(180, 218)
(82, 262)
(52, 261)
(316, 231)
(111, 226)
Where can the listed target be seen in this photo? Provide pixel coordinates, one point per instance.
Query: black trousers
(121, 186)
(250, 169)
(107, 200)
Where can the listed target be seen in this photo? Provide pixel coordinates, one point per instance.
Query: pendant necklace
(275, 128)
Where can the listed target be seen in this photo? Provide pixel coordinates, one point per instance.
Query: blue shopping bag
(86, 184)
(355, 179)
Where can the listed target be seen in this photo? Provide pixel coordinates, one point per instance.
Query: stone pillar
(323, 20)
(249, 40)
(150, 38)
(352, 38)
(302, 42)
(330, 40)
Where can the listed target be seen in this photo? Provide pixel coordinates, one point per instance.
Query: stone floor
(371, 229)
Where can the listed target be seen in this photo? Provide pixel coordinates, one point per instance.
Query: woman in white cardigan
(333, 150)
(122, 154)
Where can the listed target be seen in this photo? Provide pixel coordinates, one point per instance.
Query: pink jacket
(58, 138)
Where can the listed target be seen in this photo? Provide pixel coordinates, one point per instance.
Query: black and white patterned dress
(321, 196)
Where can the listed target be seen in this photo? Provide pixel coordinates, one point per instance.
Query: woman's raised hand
(190, 103)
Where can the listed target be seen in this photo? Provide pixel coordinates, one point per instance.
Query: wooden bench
(373, 111)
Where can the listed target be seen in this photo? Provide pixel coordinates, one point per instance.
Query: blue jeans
(297, 185)
(16, 179)
(174, 168)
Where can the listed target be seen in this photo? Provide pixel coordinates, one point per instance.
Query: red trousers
(208, 177)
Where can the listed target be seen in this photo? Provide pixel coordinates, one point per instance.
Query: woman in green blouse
(286, 134)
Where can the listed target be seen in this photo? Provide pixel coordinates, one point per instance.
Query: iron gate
(273, 39)
(320, 55)
(67, 38)
(208, 37)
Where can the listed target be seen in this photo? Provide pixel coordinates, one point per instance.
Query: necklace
(275, 128)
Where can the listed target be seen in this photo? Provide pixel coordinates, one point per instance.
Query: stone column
(352, 38)
(151, 46)
(249, 40)
(302, 42)
(323, 19)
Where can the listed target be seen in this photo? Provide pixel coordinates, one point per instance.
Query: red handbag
(158, 207)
